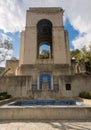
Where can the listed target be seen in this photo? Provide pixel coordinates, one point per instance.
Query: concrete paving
(46, 125)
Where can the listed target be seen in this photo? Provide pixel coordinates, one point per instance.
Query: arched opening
(44, 38)
(44, 51)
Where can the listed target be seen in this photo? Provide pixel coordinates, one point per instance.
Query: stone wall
(13, 66)
(17, 86)
(45, 113)
(22, 86)
(78, 83)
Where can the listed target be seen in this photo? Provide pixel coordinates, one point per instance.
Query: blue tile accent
(45, 78)
(34, 86)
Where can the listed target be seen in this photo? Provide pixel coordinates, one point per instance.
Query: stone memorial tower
(44, 26)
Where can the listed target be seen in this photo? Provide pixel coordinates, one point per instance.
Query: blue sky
(76, 20)
(73, 33)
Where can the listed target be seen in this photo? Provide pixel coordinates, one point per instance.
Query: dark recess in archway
(44, 35)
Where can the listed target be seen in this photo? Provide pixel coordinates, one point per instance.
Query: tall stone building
(44, 26)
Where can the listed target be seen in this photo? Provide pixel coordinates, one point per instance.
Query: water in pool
(42, 103)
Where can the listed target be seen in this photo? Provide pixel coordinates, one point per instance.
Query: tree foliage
(5, 50)
(82, 56)
(44, 54)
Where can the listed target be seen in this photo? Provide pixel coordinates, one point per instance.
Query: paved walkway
(45, 125)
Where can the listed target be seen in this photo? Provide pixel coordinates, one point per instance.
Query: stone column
(52, 82)
(38, 85)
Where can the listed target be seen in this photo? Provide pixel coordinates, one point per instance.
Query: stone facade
(29, 41)
(12, 65)
(22, 86)
(51, 78)
(44, 26)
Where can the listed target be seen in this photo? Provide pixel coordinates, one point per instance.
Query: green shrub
(86, 95)
(4, 95)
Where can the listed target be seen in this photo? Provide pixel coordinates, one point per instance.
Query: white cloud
(42, 3)
(4, 36)
(2, 64)
(81, 41)
(12, 15)
(78, 12)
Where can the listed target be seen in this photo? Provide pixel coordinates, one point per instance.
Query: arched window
(44, 36)
(44, 51)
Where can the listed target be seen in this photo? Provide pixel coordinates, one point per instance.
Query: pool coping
(45, 113)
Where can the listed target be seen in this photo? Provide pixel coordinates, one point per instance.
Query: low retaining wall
(45, 113)
(22, 86)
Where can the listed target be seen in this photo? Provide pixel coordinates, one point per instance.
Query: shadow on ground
(48, 125)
